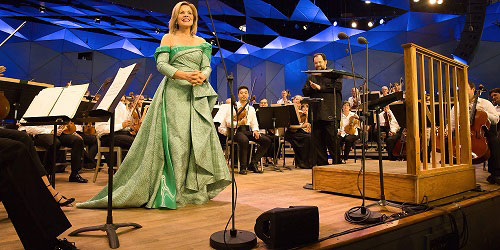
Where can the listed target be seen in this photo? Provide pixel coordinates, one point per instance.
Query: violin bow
(142, 91)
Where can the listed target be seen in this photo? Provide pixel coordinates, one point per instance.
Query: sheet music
(60, 101)
(117, 85)
(43, 102)
(68, 102)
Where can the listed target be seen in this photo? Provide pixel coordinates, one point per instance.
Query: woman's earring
(176, 26)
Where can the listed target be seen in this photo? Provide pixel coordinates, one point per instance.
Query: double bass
(479, 144)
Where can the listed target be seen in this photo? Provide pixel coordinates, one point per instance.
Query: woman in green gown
(176, 158)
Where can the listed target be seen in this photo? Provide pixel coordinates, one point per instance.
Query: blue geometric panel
(122, 49)
(265, 53)
(63, 41)
(259, 8)
(246, 49)
(306, 48)
(250, 61)
(330, 34)
(308, 12)
(281, 42)
(9, 30)
(256, 27)
(67, 10)
(94, 40)
(284, 57)
(217, 8)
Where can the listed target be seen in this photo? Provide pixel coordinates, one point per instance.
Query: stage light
(416, 1)
(42, 9)
(354, 24)
(439, 1)
(368, 2)
(381, 21)
(157, 31)
(432, 1)
(97, 20)
(305, 27)
(335, 23)
(370, 24)
(243, 28)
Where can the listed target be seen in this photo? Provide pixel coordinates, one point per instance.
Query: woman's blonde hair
(173, 26)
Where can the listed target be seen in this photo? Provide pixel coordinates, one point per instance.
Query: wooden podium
(419, 180)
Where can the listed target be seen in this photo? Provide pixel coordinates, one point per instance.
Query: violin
(137, 118)
(352, 126)
(69, 128)
(241, 114)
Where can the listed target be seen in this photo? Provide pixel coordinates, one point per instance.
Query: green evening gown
(176, 157)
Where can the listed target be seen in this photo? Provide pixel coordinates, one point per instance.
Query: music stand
(313, 102)
(102, 113)
(378, 105)
(271, 118)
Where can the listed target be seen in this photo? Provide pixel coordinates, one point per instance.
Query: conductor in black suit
(327, 113)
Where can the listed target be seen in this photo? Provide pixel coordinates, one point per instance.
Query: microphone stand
(361, 214)
(383, 202)
(236, 239)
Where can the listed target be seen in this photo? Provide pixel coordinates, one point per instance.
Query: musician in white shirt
(284, 98)
(248, 130)
(491, 133)
(122, 135)
(43, 137)
(495, 98)
(355, 99)
(347, 140)
(390, 125)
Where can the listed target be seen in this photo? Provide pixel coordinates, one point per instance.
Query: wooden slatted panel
(423, 108)
(432, 113)
(456, 117)
(448, 115)
(441, 112)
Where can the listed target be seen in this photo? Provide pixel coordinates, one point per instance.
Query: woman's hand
(194, 77)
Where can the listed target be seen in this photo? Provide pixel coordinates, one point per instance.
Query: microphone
(362, 40)
(342, 36)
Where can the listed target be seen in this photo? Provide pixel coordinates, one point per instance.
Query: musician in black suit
(327, 113)
(37, 218)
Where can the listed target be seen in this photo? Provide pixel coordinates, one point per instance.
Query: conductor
(327, 113)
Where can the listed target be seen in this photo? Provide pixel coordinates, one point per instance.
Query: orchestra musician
(43, 137)
(385, 91)
(247, 130)
(122, 135)
(490, 133)
(495, 98)
(284, 98)
(326, 118)
(348, 131)
(300, 138)
(390, 126)
(355, 99)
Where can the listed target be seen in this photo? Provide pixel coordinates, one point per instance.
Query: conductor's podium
(414, 180)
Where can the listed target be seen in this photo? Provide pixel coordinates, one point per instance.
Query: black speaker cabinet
(288, 227)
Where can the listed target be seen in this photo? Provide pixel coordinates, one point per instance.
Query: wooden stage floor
(190, 227)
